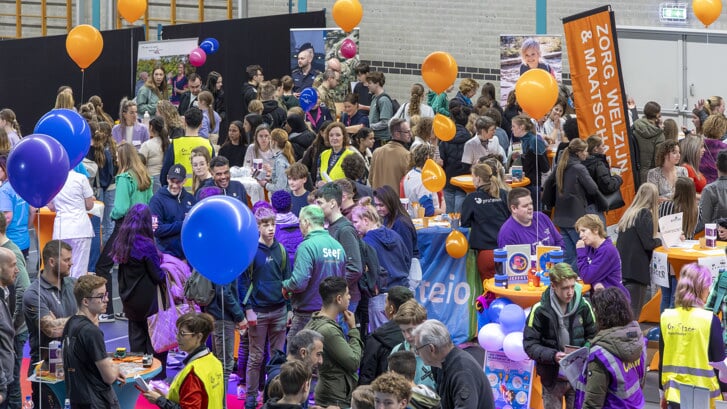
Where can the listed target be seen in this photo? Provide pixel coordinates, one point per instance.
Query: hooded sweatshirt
(300, 136)
(393, 254)
(170, 211)
(287, 232)
(423, 397)
(377, 350)
(626, 344)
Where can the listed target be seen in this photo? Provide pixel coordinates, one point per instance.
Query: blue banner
(449, 286)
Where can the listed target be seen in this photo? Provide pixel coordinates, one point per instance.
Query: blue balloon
(496, 307)
(70, 129)
(512, 318)
(654, 334)
(209, 45)
(308, 98)
(219, 238)
(37, 169)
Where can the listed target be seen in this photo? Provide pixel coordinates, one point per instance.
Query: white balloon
(491, 337)
(513, 346)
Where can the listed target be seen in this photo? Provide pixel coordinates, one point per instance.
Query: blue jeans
(570, 238)
(668, 293)
(107, 226)
(453, 198)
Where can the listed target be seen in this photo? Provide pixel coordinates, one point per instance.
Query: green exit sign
(673, 12)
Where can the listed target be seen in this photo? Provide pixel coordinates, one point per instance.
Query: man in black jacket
(562, 318)
(462, 383)
(189, 98)
(255, 76)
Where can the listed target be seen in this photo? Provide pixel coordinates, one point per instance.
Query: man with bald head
(304, 75)
(8, 271)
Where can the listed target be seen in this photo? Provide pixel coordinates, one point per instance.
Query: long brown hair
(484, 173)
(685, 201)
(280, 138)
(574, 146)
(129, 161)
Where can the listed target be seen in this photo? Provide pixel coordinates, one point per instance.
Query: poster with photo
(172, 55)
(510, 381)
(314, 46)
(519, 53)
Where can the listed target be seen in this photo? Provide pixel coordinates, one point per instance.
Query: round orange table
(526, 297)
(465, 182)
(677, 257)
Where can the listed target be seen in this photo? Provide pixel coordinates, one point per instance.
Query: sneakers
(241, 392)
(106, 318)
(121, 316)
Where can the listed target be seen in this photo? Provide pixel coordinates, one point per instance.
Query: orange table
(525, 297)
(677, 258)
(465, 182)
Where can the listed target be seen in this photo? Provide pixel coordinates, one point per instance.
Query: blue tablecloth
(449, 286)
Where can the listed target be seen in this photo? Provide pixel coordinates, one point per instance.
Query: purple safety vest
(624, 391)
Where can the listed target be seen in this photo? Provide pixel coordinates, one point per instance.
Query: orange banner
(598, 91)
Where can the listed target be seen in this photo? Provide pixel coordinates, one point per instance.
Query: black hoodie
(377, 350)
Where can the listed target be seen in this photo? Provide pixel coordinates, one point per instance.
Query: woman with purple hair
(140, 273)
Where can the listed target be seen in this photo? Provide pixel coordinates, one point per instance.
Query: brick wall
(397, 35)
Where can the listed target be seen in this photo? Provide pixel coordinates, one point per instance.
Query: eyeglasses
(182, 333)
(102, 296)
(416, 350)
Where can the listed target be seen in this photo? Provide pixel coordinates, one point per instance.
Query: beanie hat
(281, 201)
(259, 204)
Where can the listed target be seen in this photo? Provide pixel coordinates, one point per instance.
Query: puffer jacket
(648, 136)
(600, 171)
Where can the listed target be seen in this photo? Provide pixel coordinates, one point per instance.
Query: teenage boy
(297, 176)
(392, 391)
(295, 377)
(341, 356)
(260, 291)
(561, 319)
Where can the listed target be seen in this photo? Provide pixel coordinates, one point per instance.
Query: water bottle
(67, 405)
(146, 119)
(28, 404)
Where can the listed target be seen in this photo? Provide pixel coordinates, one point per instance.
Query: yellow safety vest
(336, 172)
(207, 368)
(183, 153)
(685, 361)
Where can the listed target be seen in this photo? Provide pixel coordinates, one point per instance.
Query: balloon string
(37, 374)
(83, 81)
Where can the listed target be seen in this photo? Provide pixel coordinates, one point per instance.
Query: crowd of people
(337, 258)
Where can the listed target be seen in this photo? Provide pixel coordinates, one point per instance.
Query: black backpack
(374, 278)
(394, 103)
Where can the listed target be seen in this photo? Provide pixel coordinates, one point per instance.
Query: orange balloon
(457, 244)
(444, 127)
(439, 70)
(433, 177)
(536, 92)
(347, 14)
(707, 11)
(84, 45)
(132, 10)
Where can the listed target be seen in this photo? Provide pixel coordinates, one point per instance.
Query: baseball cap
(177, 172)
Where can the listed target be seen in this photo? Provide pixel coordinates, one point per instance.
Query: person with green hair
(318, 256)
(562, 318)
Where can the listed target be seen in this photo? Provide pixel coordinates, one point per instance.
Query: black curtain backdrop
(34, 68)
(261, 40)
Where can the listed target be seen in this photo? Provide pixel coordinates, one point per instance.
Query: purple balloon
(38, 168)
